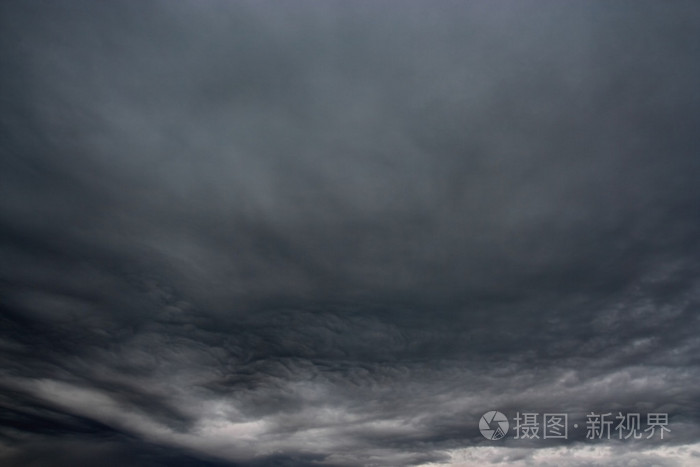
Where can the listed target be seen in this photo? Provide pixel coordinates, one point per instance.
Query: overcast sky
(337, 233)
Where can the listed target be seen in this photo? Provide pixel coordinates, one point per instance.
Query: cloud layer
(332, 233)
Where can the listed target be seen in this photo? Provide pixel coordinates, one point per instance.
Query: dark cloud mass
(336, 233)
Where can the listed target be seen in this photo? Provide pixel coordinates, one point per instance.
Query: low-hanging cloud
(338, 233)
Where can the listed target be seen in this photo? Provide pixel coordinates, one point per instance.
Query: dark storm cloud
(338, 233)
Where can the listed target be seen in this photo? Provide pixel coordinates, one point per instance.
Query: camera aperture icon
(493, 425)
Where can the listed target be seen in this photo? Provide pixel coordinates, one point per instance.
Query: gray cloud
(337, 233)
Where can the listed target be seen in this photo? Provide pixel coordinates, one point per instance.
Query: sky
(337, 233)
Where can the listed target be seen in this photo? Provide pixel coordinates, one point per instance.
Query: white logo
(493, 425)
